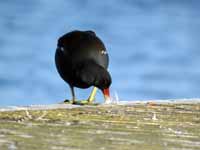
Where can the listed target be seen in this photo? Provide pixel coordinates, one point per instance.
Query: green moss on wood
(125, 127)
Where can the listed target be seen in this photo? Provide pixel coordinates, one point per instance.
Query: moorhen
(82, 61)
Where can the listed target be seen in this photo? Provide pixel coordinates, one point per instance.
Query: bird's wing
(85, 73)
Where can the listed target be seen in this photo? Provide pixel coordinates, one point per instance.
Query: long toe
(84, 102)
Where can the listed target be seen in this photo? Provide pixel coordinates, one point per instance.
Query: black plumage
(82, 61)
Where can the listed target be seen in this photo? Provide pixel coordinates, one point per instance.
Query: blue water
(154, 47)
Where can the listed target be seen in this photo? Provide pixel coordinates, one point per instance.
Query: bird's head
(103, 82)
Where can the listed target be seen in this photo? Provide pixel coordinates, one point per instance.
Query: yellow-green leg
(90, 99)
(92, 95)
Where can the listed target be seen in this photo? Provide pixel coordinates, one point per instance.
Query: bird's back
(80, 46)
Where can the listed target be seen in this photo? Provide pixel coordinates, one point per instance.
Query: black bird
(82, 61)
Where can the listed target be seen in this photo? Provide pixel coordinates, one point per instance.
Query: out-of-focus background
(154, 47)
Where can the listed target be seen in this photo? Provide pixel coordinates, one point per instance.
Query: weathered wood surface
(139, 126)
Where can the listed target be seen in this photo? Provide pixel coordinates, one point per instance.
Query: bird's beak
(106, 94)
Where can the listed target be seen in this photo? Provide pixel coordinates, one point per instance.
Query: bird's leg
(73, 95)
(73, 101)
(92, 95)
(90, 99)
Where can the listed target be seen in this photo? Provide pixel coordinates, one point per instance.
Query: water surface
(153, 47)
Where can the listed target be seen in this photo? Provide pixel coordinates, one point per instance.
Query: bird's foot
(81, 102)
(67, 101)
(85, 102)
